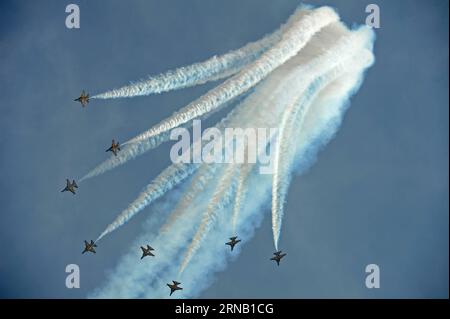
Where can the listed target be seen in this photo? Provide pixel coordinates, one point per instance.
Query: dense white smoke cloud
(299, 80)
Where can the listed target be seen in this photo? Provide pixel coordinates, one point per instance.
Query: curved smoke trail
(255, 106)
(340, 59)
(222, 196)
(304, 88)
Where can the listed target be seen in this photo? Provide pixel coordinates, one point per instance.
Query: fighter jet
(277, 257)
(83, 99)
(232, 242)
(147, 251)
(114, 148)
(89, 247)
(70, 187)
(174, 287)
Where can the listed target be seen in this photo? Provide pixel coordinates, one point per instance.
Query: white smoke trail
(127, 152)
(341, 53)
(252, 112)
(201, 179)
(215, 68)
(292, 41)
(169, 178)
(131, 150)
(221, 197)
(241, 193)
(292, 121)
(320, 120)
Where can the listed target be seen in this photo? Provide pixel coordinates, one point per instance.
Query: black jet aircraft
(70, 187)
(232, 242)
(114, 148)
(89, 247)
(83, 99)
(174, 287)
(277, 257)
(147, 251)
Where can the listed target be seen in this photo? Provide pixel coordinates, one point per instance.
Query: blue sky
(377, 194)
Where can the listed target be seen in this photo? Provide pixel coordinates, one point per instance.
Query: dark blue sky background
(377, 194)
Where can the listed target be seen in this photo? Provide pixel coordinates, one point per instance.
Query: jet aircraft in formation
(174, 287)
(70, 187)
(83, 99)
(89, 247)
(277, 257)
(147, 251)
(115, 147)
(232, 242)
